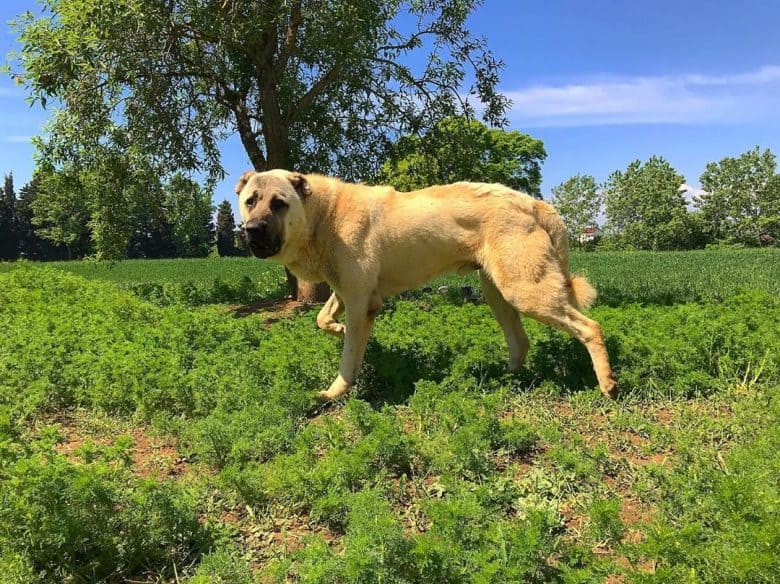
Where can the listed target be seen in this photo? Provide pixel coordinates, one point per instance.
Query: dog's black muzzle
(261, 239)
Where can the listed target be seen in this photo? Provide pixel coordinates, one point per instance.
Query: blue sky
(600, 82)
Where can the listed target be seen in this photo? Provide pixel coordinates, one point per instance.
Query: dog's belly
(414, 266)
(391, 284)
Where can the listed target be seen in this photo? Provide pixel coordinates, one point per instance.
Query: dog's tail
(581, 292)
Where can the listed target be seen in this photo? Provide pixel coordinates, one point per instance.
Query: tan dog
(368, 243)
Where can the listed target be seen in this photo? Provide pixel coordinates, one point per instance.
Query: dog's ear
(300, 184)
(243, 180)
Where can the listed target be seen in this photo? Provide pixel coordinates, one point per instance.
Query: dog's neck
(304, 259)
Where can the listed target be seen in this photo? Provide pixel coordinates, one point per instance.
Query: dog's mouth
(265, 249)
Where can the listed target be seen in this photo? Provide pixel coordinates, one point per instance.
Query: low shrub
(62, 519)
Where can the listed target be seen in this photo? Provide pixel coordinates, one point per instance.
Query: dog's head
(271, 206)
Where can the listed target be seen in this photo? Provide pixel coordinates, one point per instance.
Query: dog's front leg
(361, 312)
(328, 317)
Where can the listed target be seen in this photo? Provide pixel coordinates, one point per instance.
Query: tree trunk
(276, 138)
(311, 293)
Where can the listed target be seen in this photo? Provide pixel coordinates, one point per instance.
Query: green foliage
(117, 353)
(91, 521)
(8, 239)
(646, 209)
(678, 277)
(620, 277)
(222, 567)
(741, 203)
(305, 84)
(31, 245)
(606, 522)
(226, 231)
(189, 282)
(463, 149)
(61, 213)
(440, 466)
(578, 202)
(721, 520)
(119, 199)
(188, 208)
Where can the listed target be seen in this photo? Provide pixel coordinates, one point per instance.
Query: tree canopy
(226, 230)
(8, 240)
(459, 148)
(646, 209)
(313, 85)
(741, 203)
(578, 202)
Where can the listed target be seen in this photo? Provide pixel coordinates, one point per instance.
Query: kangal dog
(368, 243)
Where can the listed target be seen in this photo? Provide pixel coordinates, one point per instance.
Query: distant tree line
(121, 208)
(113, 203)
(58, 216)
(645, 206)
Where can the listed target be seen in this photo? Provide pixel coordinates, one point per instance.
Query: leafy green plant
(439, 466)
(606, 524)
(92, 521)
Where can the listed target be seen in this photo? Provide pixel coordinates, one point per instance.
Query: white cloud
(681, 99)
(692, 191)
(18, 139)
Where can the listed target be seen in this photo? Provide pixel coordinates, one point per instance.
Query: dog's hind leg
(509, 319)
(535, 286)
(589, 333)
(328, 317)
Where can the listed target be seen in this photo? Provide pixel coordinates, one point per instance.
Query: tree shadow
(390, 374)
(276, 309)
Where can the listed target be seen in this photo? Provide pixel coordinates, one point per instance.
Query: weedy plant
(442, 466)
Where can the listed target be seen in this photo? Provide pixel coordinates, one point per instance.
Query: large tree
(189, 210)
(646, 209)
(316, 86)
(578, 201)
(8, 235)
(459, 148)
(31, 244)
(226, 230)
(60, 211)
(741, 202)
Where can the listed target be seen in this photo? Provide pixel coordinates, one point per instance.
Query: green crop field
(152, 431)
(621, 277)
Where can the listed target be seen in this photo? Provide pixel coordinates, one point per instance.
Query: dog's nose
(256, 228)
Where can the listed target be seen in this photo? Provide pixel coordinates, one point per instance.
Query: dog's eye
(278, 205)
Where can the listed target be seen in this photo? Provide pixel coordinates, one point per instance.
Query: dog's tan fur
(368, 243)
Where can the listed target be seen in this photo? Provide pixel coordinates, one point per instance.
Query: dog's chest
(308, 271)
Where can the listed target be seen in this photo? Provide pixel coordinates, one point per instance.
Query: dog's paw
(328, 396)
(336, 330)
(337, 389)
(610, 390)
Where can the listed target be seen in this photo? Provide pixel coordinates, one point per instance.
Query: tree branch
(308, 98)
(237, 104)
(410, 43)
(290, 41)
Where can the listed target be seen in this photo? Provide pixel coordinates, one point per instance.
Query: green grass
(182, 281)
(181, 443)
(160, 271)
(670, 277)
(621, 277)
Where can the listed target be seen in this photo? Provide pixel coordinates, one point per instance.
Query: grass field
(621, 277)
(179, 441)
